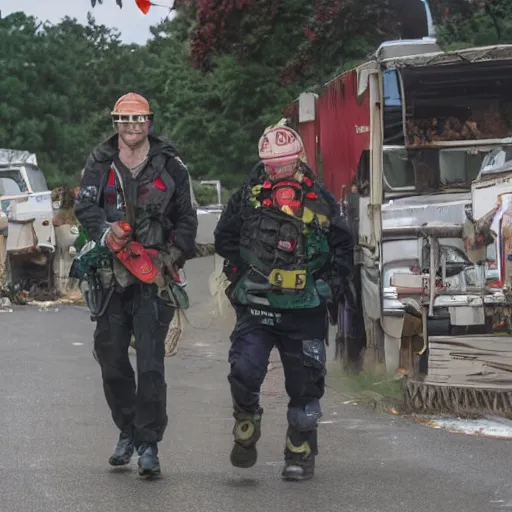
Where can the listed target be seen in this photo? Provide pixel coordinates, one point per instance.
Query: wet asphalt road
(56, 436)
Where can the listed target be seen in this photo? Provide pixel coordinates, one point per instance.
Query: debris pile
(14, 293)
(483, 124)
(37, 295)
(5, 305)
(64, 214)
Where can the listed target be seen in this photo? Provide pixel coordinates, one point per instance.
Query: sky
(129, 21)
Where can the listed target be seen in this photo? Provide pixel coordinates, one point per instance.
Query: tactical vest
(150, 199)
(285, 249)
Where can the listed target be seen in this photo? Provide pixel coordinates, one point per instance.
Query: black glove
(173, 258)
(231, 271)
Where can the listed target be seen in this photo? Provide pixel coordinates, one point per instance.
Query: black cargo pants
(137, 309)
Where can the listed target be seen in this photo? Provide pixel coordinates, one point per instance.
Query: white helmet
(280, 150)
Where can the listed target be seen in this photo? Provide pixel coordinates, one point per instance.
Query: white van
(27, 202)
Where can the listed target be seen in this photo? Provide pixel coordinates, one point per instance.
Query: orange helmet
(131, 108)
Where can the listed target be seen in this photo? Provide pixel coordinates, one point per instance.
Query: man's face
(133, 134)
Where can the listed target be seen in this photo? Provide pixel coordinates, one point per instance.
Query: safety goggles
(131, 118)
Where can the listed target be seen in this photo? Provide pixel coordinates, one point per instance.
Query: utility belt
(98, 285)
(93, 267)
(281, 289)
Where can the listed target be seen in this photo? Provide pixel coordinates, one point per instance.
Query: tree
(473, 23)
(324, 33)
(58, 83)
(94, 2)
(215, 118)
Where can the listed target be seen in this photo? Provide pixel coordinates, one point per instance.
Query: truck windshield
(434, 169)
(13, 183)
(37, 179)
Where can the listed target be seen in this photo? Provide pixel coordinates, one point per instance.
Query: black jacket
(227, 232)
(180, 216)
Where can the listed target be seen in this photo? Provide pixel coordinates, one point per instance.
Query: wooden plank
(470, 361)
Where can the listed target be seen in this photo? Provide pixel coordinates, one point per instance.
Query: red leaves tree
(323, 30)
(230, 26)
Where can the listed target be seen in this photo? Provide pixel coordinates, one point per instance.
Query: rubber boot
(149, 464)
(247, 431)
(299, 455)
(124, 449)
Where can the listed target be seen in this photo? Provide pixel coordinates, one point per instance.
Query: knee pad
(305, 418)
(247, 429)
(302, 443)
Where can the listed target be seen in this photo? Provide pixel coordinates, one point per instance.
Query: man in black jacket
(287, 255)
(135, 188)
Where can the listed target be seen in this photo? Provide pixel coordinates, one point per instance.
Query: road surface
(56, 436)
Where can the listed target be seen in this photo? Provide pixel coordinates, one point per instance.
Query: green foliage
(365, 384)
(58, 83)
(488, 25)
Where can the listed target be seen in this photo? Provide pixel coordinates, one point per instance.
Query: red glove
(118, 235)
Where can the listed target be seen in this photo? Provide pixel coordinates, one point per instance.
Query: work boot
(149, 464)
(247, 431)
(124, 449)
(299, 455)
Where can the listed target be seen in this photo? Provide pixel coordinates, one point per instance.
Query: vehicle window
(391, 89)
(37, 180)
(398, 171)
(12, 182)
(434, 168)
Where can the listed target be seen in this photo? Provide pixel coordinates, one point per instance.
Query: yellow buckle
(288, 279)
